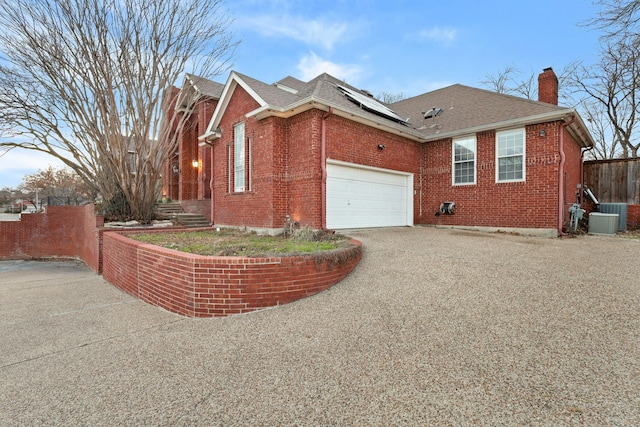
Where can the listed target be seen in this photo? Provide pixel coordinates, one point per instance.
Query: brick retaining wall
(62, 231)
(207, 286)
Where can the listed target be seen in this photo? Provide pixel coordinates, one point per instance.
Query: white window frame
(239, 158)
(500, 138)
(454, 162)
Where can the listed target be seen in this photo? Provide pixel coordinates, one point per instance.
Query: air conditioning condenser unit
(603, 223)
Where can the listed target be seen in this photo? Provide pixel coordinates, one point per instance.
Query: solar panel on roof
(371, 104)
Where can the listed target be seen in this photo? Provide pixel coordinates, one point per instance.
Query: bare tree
(84, 81)
(508, 81)
(390, 98)
(614, 86)
(617, 18)
(596, 92)
(502, 81)
(601, 130)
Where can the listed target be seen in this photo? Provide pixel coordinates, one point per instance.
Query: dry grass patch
(228, 242)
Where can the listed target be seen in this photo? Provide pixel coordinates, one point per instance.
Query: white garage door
(360, 197)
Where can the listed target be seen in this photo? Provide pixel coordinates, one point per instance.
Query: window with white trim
(464, 161)
(510, 155)
(238, 158)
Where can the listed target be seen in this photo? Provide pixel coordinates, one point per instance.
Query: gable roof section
(194, 87)
(291, 83)
(206, 87)
(465, 110)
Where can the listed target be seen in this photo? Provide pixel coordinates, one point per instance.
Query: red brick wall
(63, 231)
(529, 204)
(188, 148)
(633, 216)
(201, 286)
(191, 183)
(302, 197)
(572, 175)
(548, 87)
(120, 262)
(253, 207)
(286, 174)
(202, 207)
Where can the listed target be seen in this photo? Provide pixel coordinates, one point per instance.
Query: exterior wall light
(381, 147)
(543, 132)
(195, 163)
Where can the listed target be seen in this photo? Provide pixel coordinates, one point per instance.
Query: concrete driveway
(434, 327)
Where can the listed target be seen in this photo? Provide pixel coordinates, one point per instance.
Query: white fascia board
(232, 82)
(209, 136)
(186, 84)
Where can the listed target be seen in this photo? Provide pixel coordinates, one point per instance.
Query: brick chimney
(548, 86)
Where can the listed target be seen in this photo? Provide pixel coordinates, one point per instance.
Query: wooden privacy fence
(614, 181)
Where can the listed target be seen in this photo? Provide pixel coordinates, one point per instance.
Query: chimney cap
(547, 69)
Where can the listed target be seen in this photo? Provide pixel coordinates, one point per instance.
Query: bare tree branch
(85, 82)
(613, 86)
(501, 82)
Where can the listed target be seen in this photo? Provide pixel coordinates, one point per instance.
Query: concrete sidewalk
(434, 327)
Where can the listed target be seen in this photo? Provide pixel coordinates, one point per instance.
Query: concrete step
(168, 210)
(191, 220)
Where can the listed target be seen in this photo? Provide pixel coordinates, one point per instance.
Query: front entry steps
(191, 220)
(168, 210)
(174, 212)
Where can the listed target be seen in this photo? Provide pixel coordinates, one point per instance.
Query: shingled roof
(464, 107)
(206, 87)
(461, 109)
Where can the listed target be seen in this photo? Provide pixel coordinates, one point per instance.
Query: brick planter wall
(207, 286)
(63, 231)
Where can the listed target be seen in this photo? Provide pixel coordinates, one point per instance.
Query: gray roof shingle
(207, 87)
(464, 108)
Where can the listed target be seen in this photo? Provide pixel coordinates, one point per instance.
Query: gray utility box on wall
(616, 208)
(602, 223)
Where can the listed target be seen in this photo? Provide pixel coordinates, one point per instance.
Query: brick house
(186, 174)
(324, 154)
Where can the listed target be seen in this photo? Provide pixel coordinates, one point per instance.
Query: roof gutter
(521, 121)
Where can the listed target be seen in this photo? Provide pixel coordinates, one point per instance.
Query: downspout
(213, 194)
(323, 166)
(561, 176)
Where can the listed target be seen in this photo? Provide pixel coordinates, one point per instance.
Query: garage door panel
(358, 197)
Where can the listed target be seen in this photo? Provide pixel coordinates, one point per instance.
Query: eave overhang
(577, 129)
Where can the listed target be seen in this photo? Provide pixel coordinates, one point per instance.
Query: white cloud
(312, 65)
(310, 31)
(446, 35)
(17, 163)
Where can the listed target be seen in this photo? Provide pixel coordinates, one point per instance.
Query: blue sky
(399, 46)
